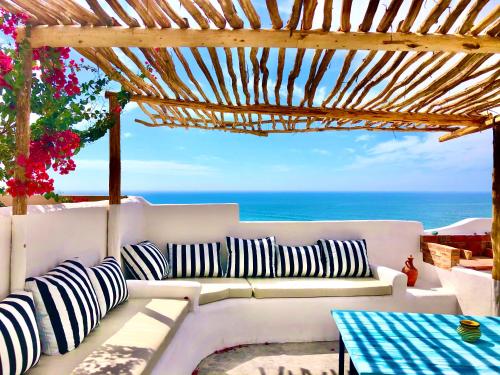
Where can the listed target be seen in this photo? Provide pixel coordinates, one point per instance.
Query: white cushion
(217, 289)
(315, 287)
(109, 284)
(130, 337)
(194, 260)
(250, 258)
(66, 306)
(145, 261)
(19, 340)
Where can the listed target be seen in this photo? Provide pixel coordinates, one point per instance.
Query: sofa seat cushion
(129, 339)
(318, 287)
(217, 289)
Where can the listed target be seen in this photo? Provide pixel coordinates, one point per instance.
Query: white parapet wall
(466, 226)
(474, 289)
(45, 237)
(5, 250)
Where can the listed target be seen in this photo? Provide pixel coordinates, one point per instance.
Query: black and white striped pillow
(299, 261)
(66, 306)
(109, 284)
(345, 258)
(19, 340)
(250, 258)
(145, 261)
(195, 260)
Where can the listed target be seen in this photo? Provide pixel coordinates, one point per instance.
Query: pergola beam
(114, 153)
(117, 36)
(488, 124)
(319, 112)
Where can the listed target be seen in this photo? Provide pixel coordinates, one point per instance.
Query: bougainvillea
(60, 103)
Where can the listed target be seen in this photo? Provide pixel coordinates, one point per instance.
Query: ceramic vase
(469, 330)
(410, 271)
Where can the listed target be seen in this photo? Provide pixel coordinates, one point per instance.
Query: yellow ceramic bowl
(470, 323)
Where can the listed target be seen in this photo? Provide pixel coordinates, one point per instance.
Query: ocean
(432, 209)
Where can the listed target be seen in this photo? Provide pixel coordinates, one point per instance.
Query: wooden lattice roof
(242, 66)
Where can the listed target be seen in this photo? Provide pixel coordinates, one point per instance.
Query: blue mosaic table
(405, 343)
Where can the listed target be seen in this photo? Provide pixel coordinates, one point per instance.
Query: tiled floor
(319, 358)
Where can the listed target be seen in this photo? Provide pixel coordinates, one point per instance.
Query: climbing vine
(65, 115)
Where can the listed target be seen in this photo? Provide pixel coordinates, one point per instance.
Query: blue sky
(175, 159)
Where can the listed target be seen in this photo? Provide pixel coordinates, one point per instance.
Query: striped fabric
(19, 340)
(345, 258)
(299, 261)
(66, 306)
(109, 284)
(145, 261)
(250, 258)
(195, 260)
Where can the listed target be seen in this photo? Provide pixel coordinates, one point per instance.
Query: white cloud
(150, 167)
(426, 152)
(363, 138)
(127, 135)
(131, 106)
(321, 151)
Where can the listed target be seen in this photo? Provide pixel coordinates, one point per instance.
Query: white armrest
(176, 289)
(397, 279)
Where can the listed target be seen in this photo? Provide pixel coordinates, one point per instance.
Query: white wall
(389, 242)
(42, 240)
(190, 223)
(5, 241)
(466, 226)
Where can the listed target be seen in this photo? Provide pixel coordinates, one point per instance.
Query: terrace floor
(317, 358)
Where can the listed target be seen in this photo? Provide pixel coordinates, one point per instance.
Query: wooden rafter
(95, 37)
(319, 112)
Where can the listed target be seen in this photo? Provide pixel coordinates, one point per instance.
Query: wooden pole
(23, 111)
(495, 228)
(114, 153)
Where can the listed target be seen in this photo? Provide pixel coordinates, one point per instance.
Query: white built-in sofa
(168, 326)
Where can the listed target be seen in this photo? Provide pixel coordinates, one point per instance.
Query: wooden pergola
(235, 66)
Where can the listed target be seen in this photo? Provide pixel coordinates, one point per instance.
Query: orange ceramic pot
(410, 271)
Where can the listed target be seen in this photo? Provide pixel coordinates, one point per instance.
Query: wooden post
(495, 228)
(23, 111)
(114, 153)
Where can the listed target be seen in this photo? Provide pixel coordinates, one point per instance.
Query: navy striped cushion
(145, 261)
(250, 258)
(345, 258)
(109, 284)
(195, 260)
(66, 306)
(299, 261)
(19, 340)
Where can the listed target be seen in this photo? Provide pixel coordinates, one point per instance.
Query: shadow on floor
(318, 358)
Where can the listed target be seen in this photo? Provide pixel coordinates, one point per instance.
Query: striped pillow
(195, 260)
(19, 339)
(345, 258)
(109, 284)
(299, 261)
(250, 258)
(66, 306)
(145, 261)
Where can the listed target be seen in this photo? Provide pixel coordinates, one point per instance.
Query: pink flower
(5, 63)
